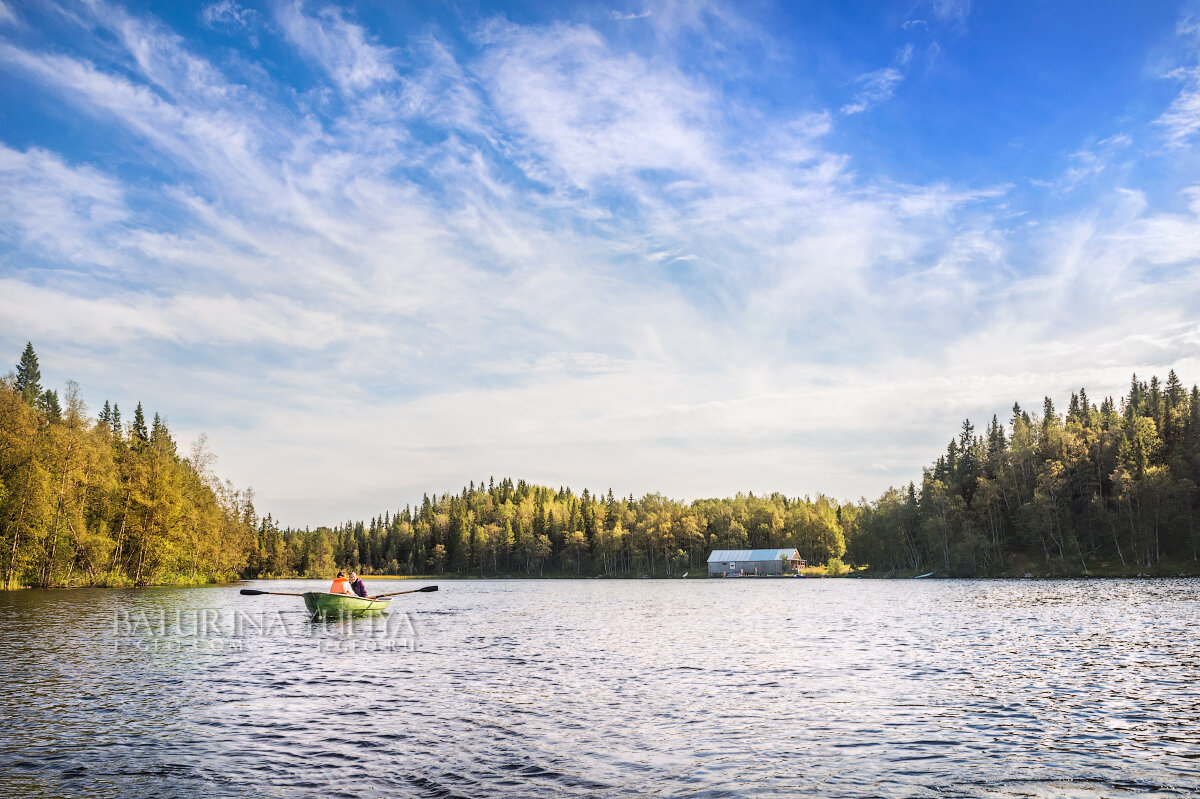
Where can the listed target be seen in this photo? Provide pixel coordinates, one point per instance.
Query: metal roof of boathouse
(752, 555)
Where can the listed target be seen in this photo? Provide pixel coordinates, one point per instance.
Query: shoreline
(1099, 571)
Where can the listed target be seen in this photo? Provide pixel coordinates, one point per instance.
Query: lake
(834, 688)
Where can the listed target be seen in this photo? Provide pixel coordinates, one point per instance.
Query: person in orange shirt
(341, 584)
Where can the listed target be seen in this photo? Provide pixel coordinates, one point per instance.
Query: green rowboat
(322, 603)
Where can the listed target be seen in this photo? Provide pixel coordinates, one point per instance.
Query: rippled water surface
(593, 687)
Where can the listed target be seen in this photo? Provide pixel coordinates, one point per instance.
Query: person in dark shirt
(356, 585)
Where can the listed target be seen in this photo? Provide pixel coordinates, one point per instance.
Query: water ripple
(611, 688)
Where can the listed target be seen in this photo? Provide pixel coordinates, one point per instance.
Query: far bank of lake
(1168, 569)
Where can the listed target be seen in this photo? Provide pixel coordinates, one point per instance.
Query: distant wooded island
(1110, 489)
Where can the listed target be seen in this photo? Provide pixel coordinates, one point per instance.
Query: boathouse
(753, 562)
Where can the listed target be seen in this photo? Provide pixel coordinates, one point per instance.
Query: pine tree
(29, 376)
(140, 434)
(48, 404)
(117, 432)
(1134, 399)
(966, 436)
(160, 436)
(1049, 415)
(105, 417)
(996, 438)
(1175, 390)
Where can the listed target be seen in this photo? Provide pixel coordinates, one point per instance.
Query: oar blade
(427, 589)
(252, 592)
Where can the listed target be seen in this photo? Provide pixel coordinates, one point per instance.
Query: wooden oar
(256, 592)
(424, 590)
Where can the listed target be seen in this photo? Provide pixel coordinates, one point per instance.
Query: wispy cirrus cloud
(879, 85)
(1181, 121)
(342, 49)
(956, 10)
(590, 113)
(228, 13)
(875, 87)
(57, 211)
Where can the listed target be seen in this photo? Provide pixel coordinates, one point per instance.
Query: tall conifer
(29, 376)
(140, 433)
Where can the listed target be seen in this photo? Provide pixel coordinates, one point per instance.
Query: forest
(519, 529)
(1107, 489)
(99, 501)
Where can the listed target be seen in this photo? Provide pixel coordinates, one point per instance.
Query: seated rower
(341, 585)
(356, 585)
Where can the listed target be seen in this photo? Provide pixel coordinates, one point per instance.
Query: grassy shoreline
(1053, 570)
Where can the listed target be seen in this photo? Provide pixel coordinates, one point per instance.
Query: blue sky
(688, 247)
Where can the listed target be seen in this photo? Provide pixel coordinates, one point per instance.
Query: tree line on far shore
(101, 501)
(521, 529)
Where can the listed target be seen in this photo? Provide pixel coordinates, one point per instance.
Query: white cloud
(228, 14)
(1181, 121)
(58, 211)
(951, 10)
(1165, 239)
(210, 133)
(342, 49)
(591, 113)
(122, 318)
(877, 86)
(1088, 163)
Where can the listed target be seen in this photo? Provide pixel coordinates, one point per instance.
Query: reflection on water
(698, 688)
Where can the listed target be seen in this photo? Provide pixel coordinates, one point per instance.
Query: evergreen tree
(48, 404)
(29, 376)
(160, 436)
(1175, 390)
(140, 434)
